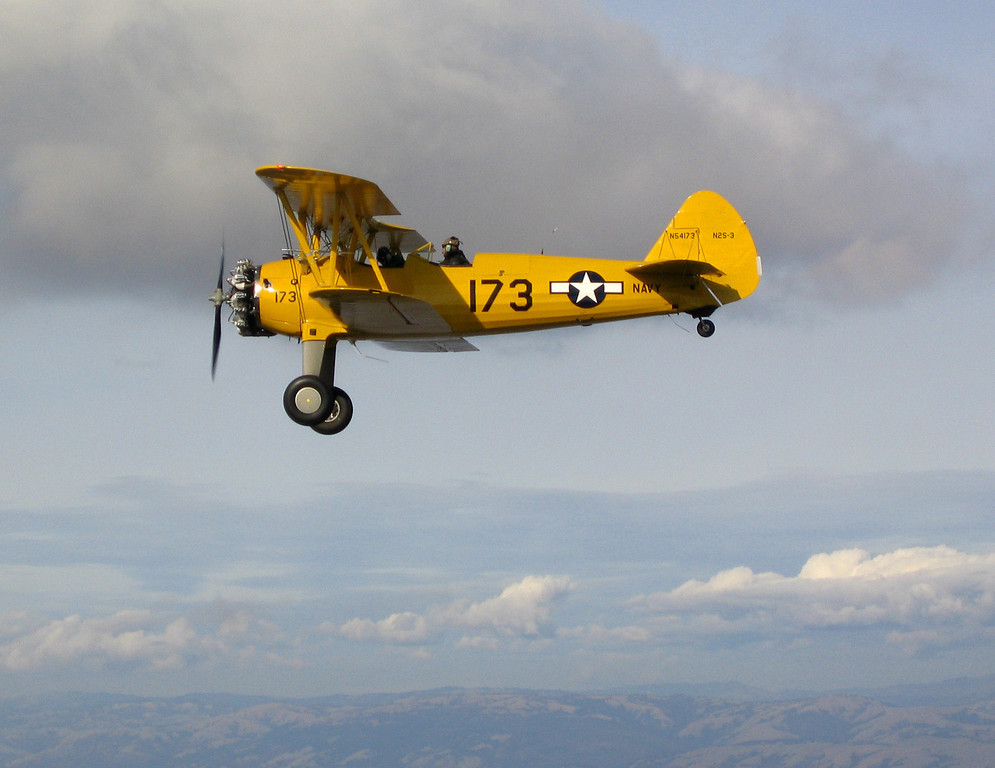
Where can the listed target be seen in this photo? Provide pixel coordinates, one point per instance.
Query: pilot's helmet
(452, 244)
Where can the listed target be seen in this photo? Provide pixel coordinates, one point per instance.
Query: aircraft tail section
(707, 241)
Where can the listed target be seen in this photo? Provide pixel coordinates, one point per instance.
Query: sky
(802, 501)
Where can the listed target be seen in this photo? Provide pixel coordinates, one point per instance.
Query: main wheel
(307, 400)
(705, 327)
(340, 416)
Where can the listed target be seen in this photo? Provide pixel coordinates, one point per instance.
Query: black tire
(705, 327)
(339, 417)
(307, 400)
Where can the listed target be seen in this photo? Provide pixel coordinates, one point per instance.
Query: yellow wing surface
(319, 196)
(333, 217)
(375, 313)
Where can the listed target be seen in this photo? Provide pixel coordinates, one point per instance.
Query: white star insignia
(587, 288)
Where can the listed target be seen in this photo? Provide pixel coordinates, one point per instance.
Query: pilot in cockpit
(453, 256)
(388, 258)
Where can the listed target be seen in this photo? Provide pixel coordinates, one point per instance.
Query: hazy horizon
(802, 501)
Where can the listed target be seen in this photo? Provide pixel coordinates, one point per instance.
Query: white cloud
(142, 639)
(919, 593)
(128, 636)
(521, 610)
(402, 628)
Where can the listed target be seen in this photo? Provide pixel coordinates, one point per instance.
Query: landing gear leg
(313, 399)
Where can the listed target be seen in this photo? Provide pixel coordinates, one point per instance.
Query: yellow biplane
(349, 276)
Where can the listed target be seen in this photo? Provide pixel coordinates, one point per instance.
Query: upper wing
(332, 211)
(318, 196)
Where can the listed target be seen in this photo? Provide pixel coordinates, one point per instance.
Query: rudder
(708, 239)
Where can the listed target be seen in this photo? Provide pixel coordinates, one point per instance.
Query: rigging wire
(285, 225)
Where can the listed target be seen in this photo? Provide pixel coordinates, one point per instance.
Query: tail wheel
(308, 400)
(339, 417)
(705, 327)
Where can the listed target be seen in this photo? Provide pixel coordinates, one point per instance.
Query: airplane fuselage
(497, 293)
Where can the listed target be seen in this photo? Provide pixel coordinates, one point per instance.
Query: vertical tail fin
(708, 239)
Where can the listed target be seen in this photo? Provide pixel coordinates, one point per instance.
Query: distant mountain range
(455, 728)
(965, 690)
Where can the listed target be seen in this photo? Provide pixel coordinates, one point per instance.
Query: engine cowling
(278, 298)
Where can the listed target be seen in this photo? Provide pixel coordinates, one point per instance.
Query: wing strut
(712, 293)
(357, 230)
(310, 243)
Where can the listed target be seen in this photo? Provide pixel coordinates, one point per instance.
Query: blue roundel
(586, 289)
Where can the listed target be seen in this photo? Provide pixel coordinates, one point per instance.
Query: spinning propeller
(218, 298)
(240, 299)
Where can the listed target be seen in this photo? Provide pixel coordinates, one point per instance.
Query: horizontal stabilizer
(676, 268)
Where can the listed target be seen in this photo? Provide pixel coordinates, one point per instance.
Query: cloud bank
(221, 633)
(135, 637)
(912, 600)
(520, 611)
(920, 595)
(129, 150)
